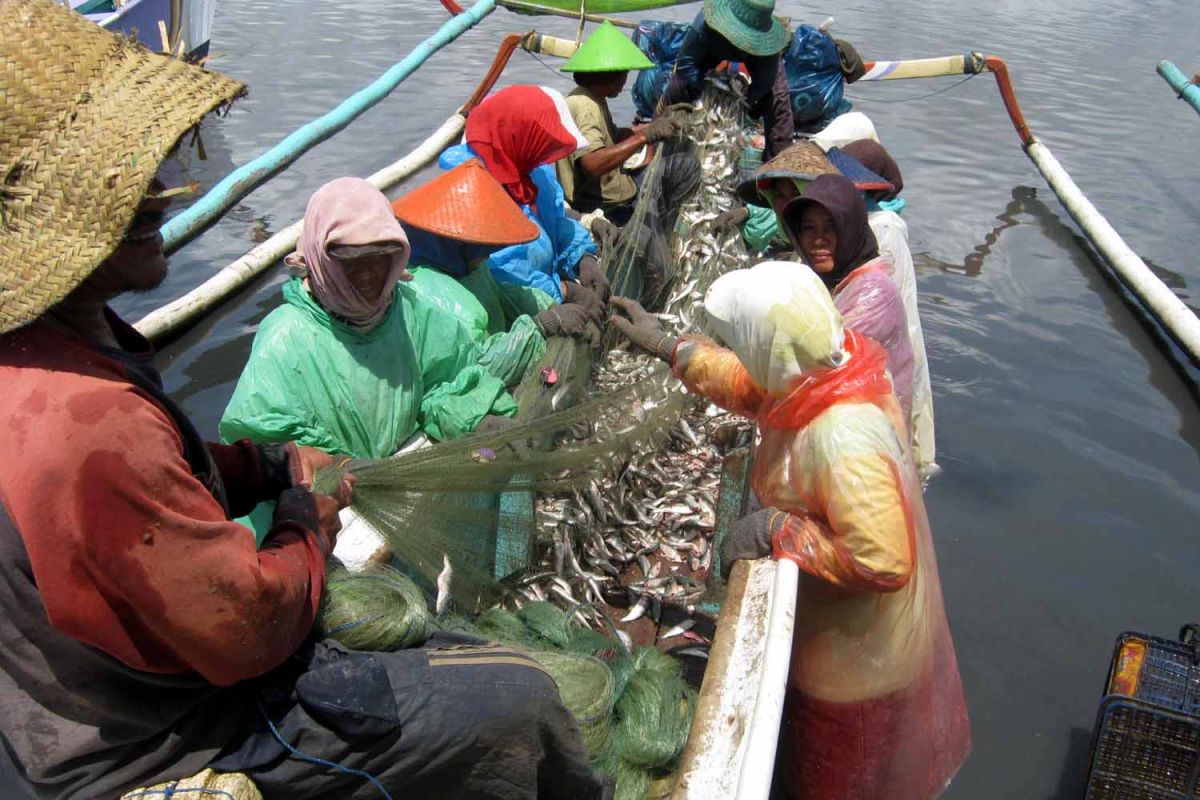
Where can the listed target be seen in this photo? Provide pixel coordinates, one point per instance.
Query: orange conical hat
(466, 204)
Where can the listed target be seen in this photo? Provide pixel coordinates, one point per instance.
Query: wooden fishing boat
(180, 27)
(731, 747)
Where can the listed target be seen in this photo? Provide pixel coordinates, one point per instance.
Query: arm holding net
(716, 374)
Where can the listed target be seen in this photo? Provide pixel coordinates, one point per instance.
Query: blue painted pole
(1180, 83)
(239, 183)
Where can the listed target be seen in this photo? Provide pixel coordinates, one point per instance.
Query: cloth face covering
(350, 211)
(778, 319)
(518, 129)
(856, 243)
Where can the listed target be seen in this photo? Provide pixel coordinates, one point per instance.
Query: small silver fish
(443, 586)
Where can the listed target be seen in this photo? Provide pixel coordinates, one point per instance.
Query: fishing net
(546, 625)
(654, 712)
(660, 501)
(585, 686)
(377, 609)
(421, 503)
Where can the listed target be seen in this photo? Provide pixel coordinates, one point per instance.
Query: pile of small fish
(657, 511)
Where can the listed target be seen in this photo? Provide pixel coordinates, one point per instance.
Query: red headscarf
(518, 129)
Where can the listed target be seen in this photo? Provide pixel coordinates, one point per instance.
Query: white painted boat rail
(730, 751)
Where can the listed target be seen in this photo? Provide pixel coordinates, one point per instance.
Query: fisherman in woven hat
(145, 637)
(745, 31)
(456, 221)
(594, 177)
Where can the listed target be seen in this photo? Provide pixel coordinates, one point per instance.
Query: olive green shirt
(596, 124)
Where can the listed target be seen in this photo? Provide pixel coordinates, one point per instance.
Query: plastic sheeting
(870, 303)
(561, 240)
(660, 41)
(314, 381)
(891, 232)
(505, 354)
(875, 705)
(815, 80)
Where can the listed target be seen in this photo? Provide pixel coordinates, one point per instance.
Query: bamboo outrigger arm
(1163, 305)
(239, 183)
(1186, 89)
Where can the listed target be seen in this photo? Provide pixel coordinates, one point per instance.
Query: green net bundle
(585, 686)
(377, 609)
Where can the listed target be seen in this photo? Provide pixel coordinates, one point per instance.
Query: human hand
(749, 538)
(305, 462)
(661, 128)
(578, 294)
(731, 219)
(568, 319)
(679, 108)
(605, 233)
(643, 329)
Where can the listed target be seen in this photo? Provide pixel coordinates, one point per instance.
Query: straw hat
(468, 205)
(749, 25)
(803, 161)
(87, 119)
(607, 50)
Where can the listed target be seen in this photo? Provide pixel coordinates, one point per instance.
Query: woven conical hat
(86, 117)
(466, 204)
(802, 161)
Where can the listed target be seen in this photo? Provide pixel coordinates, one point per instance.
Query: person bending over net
(874, 704)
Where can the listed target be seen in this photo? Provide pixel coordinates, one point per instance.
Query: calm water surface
(1067, 510)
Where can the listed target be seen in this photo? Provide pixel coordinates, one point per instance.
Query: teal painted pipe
(1180, 83)
(187, 224)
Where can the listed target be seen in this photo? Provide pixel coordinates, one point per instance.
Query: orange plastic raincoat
(875, 705)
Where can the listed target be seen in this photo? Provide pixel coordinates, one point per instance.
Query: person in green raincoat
(453, 223)
(356, 361)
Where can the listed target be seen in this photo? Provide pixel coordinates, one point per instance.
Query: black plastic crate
(1146, 744)
(1161, 671)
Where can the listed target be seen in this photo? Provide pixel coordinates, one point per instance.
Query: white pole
(754, 781)
(1159, 300)
(213, 292)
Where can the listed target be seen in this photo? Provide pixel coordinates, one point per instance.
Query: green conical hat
(607, 50)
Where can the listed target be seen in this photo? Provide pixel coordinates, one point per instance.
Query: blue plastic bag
(814, 79)
(660, 41)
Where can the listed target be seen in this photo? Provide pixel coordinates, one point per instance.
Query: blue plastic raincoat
(560, 244)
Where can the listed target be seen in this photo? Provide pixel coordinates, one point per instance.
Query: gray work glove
(568, 319)
(661, 128)
(643, 329)
(605, 233)
(748, 538)
(578, 294)
(592, 275)
(731, 219)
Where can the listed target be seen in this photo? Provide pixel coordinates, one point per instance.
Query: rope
(918, 97)
(171, 791)
(319, 761)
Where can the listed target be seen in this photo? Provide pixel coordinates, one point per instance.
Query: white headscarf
(779, 319)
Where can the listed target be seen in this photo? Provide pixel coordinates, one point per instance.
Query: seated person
(518, 133)
(453, 223)
(593, 178)
(744, 31)
(356, 362)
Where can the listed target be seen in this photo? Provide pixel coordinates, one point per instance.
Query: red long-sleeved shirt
(131, 548)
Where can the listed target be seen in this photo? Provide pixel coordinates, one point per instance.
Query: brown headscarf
(872, 155)
(350, 211)
(856, 243)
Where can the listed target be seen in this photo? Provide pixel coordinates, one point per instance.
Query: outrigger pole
(1156, 298)
(1179, 82)
(239, 183)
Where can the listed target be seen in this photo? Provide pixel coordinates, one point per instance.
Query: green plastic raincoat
(313, 380)
(494, 319)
